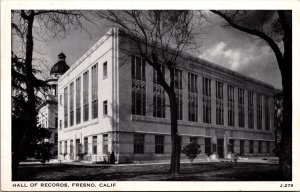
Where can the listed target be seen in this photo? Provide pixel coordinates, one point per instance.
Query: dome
(61, 66)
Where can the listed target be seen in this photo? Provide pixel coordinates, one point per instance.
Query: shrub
(191, 150)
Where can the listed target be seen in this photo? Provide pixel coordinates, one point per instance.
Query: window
(241, 108)
(94, 144)
(71, 104)
(71, 147)
(86, 96)
(230, 99)
(251, 146)
(259, 111)
(192, 97)
(206, 100)
(104, 70)
(231, 145)
(219, 104)
(56, 122)
(66, 107)
(267, 113)
(65, 148)
(105, 108)
(178, 91)
(105, 144)
(250, 110)
(159, 144)
(158, 95)
(60, 124)
(138, 91)
(138, 144)
(78, 100)
(60, 147)
(86, 146)
(95, 91)
(242, 147)
(207, 143)
(268, 146)
(60, 99)
(259, 146)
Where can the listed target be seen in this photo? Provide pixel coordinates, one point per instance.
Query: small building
(47, 110)
(110, 102)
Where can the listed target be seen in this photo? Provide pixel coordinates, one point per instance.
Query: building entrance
(220, 148)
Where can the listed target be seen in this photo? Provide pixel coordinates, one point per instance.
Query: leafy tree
(160, 37)
(28, 26)
(278, 118)
(191, 150)
(257, 23)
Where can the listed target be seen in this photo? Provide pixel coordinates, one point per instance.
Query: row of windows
(233, 143)
(139, 98)
(69, 95)
(84, 148)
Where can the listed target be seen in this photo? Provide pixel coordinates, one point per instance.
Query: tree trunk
(175, 138)
(31, 111)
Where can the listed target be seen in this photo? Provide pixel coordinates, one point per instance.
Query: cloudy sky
(224, 46)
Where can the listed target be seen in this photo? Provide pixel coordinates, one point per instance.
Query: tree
(161, 37)
(280, 28)
(278, 118)
(27, 26)
(191, 150)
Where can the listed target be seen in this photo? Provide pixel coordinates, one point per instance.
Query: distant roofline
(184, 54)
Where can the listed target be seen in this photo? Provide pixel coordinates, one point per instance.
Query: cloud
(251, 59)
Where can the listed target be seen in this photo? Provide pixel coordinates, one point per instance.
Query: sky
(221, 45)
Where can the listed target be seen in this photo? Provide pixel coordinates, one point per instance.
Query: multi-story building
(110, 101)
(47, 111)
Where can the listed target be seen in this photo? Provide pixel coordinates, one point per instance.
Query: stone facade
(109, 124)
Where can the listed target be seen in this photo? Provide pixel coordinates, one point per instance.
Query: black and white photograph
(96, 98)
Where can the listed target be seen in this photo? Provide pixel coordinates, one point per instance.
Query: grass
(216, 171)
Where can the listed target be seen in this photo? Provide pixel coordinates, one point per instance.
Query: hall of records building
(110, 101)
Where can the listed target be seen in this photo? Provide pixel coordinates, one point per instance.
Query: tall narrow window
(192, 97)
(86, 96)
(259, 111)
(66, 107)
(259, 146)
(60, 147)
(158, 95)
(72, 104)
(231, 145)
(104, 108)
(242, 147)
(56, 122)
(138, 91)
(219, 103)
(138, 143)
(207, 143)
(78, 100)
(241, 107)
(66, 147)
(86, 145)
(60, 124)
(230, 97)
(178, 91)
(94, 145)
(105, 143)
(104, 70)
(71, 147)
(251, 143)
(250, 110)
(159, 144)
(267, 113)
(95, 91)
(206, 100)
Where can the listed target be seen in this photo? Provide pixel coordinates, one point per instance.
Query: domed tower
(57, 70)
(47, 110)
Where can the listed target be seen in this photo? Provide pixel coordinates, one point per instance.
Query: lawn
(213, 171)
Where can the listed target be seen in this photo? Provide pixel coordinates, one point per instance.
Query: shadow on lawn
(220, 171)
